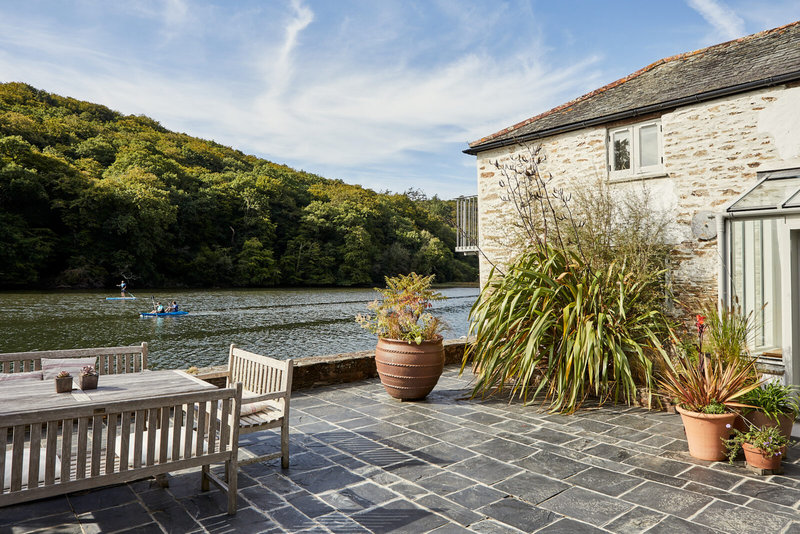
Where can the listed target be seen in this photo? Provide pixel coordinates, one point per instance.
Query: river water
(282, 323)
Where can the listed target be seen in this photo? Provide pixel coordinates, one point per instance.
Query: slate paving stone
(359, 497)
(443, 453)
(289, 518)
(484, 470)
(794, 528)
(451, 528)
(657, 464)
(711, 477)
(609, 452)
(413, 470)
(667, 499)
(409, 441)
(516, 513)
(476, 496)
(445, 482)
(381, 457)
(150, 528)
(309, 504)
(322, 480)
(716, 493)
(772, 508)
(485, 419)
(278, 483)
(732, 518)
(631, 421)
(657, 477)
(503, 449)
(99, 499)
(464, 437)
(10, 515)
(408, 490)
(590, 425)
(116, 518)
(64, 522)
(454, 512)
(399, 516)
(491, 526)
(208, 504)
(675, 525)
(551, 436)
(531, 487)
(569, 526)
(551, 465)
(432, 427)
(629, 434)
(635, 521)
(586, 506)
(337, 522)
(604, 481)
(768, 492)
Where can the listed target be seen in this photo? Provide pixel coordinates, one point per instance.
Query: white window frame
(636, 170)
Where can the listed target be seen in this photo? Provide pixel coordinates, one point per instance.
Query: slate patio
(362, 462)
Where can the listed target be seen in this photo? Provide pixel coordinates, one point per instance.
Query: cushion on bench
(26, 462)
(30, 375)
(52, 366)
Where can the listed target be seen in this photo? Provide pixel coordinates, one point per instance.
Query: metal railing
(467, 224)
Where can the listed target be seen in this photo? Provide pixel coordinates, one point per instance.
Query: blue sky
(381, 93)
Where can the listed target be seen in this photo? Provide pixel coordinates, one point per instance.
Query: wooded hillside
(89, 196)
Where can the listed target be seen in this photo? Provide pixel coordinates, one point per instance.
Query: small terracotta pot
(409, 371)
(64, 385)
(760, 420)
(88, 381)
(705, 433)
(756, 458)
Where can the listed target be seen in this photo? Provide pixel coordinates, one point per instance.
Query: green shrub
(554, 327)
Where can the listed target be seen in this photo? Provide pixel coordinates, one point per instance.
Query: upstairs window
(635, 150)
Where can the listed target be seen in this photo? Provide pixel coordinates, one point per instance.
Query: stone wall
(332, 369)
(712, 152)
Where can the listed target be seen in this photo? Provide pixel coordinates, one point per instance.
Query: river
(282, 323)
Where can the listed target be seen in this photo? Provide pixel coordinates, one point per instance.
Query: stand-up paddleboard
(163, 314)
(120, 298)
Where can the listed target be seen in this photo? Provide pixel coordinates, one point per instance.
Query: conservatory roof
(776, 191)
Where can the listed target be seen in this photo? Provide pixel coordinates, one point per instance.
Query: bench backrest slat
(110, 360)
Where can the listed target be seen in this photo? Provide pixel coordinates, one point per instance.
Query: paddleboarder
(123, 286)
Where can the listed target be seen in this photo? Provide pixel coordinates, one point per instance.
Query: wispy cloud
(725, 22)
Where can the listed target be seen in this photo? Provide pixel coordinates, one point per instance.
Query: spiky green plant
(726, 332)
(555, 328)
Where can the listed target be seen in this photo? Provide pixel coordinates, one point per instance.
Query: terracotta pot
(756, 458)
(63, 385)
(88, 381)
(409, 371)
(760, 420)
(705, 432)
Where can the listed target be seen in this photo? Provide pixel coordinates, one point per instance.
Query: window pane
(648, 145)
(621, 150)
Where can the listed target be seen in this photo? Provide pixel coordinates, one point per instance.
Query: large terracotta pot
(705, 432)
(760, 420)
(756, 458)
(409, 371)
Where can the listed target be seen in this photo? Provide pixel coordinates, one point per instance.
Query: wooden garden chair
(267, 386)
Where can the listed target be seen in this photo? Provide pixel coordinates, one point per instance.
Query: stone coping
(316, 371)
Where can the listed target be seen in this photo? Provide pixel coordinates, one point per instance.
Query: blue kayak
(120, 298)
(163, 314)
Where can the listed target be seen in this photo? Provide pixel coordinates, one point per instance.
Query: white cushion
(30, 375)
(52, 366)
(26, 461)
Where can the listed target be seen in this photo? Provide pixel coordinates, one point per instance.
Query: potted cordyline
(410, 354)
(707, 392)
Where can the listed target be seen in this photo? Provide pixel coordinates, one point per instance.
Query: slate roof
(767, 58)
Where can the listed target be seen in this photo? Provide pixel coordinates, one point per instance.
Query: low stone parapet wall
(316, 371)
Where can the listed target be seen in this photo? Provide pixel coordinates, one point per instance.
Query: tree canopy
(89, 196)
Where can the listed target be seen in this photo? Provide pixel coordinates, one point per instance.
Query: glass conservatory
(760, 265)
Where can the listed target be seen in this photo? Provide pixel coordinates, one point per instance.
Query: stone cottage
(715, 137)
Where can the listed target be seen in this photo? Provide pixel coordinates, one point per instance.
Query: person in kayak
(159, 308)
(173, 307)
(123, 286)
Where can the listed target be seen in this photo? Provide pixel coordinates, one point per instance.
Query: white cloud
(726, 23)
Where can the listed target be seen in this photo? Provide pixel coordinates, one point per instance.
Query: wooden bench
(110, 360)
(61, 450)
(267, 387)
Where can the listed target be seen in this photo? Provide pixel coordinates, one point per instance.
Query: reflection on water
(283, 323)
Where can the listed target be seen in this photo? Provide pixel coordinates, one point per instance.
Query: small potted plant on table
(88, 378)
(764, 448)
(63, 382)
(410, 355)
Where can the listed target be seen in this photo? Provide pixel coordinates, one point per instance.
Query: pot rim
(699, 415)
(439, 340)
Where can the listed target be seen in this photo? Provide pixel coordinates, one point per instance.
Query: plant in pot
(764, 447)
(409, 355)
(88, 378)
(63, 382)
(775, 405)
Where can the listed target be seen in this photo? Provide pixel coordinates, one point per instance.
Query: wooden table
(29, 396)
